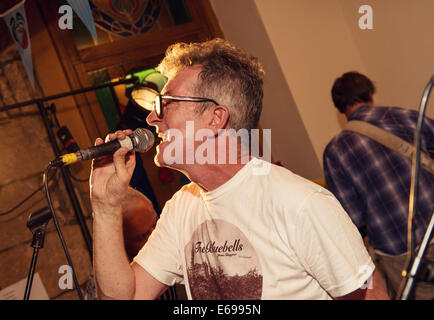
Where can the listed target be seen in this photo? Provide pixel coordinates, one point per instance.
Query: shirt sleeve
(428, 132)
(160, 255)
(330, 247)
(340, 184)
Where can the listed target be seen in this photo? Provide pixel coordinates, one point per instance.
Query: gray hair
(228, 75)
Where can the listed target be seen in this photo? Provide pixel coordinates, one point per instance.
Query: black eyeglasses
(150, 99)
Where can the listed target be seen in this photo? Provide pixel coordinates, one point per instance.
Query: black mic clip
(37, 223)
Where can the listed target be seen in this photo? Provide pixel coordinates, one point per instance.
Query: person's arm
(147, 287)
(340, 184)
(115, 277)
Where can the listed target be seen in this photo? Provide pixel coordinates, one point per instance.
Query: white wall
(290, 143)
(314, 46)
(315, 41)
(399, 53)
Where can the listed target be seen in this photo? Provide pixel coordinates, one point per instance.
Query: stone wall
(25, 153)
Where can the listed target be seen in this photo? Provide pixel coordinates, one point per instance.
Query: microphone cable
(59, 231)
(19, 204)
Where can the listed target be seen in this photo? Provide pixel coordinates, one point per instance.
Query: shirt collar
(358, 112)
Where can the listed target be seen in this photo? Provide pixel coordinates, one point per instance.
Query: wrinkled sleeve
(160, 255)
(330, 247)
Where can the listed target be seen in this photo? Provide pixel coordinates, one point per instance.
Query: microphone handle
(104, 149)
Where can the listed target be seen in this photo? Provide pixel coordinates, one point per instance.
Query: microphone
(140, 140)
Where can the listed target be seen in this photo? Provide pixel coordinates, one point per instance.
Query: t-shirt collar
(228, 185)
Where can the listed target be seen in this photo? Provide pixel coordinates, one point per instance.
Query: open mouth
(164, 136)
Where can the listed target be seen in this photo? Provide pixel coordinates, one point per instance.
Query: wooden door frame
(146, 49)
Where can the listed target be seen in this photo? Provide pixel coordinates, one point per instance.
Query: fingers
(99, 141)
(119, 159)
(110, 175)
(120, 134)
(122, 158)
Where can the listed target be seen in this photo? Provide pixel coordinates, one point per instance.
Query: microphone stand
(131, 80)
(67, 181)
(37, 223)
(40, 233)
(52, 138)
(407, 285)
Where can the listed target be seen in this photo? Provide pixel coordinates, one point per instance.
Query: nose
(152, 119)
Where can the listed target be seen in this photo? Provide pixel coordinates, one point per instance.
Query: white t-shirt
(272, 236)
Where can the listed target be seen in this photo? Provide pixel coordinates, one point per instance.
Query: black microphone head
(144, 139)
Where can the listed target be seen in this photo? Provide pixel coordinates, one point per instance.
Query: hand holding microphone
(140, 140)
(110, 177)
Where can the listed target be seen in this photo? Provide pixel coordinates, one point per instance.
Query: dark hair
(351, 88)
(229, 75)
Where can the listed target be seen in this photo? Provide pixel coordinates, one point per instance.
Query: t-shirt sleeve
(160, 255)
(329, 245)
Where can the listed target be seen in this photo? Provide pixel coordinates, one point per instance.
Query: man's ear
(219, 118)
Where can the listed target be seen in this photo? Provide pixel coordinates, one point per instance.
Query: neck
(211, 176)
(351, 109)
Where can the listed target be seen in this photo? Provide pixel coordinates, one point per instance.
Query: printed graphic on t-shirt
(222, 264)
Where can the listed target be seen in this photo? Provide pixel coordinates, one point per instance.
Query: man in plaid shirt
(372, 182)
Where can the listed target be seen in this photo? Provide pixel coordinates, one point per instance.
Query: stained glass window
(117, 19)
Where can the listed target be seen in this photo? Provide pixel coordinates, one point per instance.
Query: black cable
(77, 179)
(23, 201)
(56, 223)
(52, 108)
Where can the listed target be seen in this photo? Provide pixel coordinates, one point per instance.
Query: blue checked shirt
(372, 182)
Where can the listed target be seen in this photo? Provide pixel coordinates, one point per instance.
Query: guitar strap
(389, 140)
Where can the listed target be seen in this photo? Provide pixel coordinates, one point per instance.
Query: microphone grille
(144, 139)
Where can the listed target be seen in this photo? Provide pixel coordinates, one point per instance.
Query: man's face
(175, 115)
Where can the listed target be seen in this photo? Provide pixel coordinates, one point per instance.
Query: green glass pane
(106, 99)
